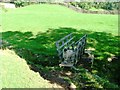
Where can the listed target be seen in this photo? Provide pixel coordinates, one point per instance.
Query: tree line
(97, 5)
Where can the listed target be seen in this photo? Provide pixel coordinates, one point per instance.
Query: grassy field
(37, 18)
(32, 31)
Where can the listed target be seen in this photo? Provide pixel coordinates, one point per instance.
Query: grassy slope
(40, 51)
(16, 73)
(37, 18)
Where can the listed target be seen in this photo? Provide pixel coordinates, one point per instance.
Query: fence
(68, 42)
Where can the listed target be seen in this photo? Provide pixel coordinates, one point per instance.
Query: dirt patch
(56, 77)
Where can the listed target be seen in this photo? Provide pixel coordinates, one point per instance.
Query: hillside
(31, 32)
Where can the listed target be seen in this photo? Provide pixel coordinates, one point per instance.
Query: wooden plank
(65, 43)
(70, 45)
(83, 38)
(66, 65)
(64, 38)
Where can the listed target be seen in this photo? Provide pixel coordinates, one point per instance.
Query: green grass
(40, 50)
(16, 73)
(37, 18)
(52, 22)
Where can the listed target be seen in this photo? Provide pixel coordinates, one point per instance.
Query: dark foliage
(97, 5)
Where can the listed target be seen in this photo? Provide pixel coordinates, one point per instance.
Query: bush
(84, 5)
(19, 3)
(73, 3)
(97, 5)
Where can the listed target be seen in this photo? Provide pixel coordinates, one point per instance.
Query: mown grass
(32, 31)
(37, 18)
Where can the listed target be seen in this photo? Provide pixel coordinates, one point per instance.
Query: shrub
(73, 3)
(84, 5)
(97, 5)
(19, 3)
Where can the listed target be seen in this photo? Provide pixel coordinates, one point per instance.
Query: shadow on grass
(40, 51)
